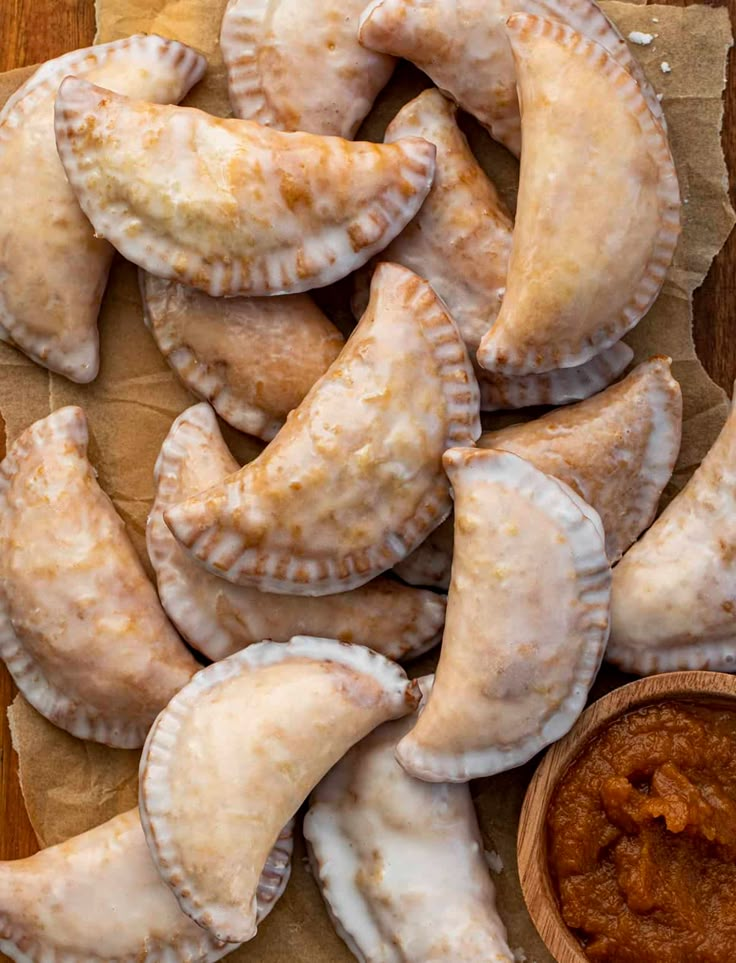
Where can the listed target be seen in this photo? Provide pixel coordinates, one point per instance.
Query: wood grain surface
(35, 30)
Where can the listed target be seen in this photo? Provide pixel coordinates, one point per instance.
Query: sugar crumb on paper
(494, 860)
(642, 39)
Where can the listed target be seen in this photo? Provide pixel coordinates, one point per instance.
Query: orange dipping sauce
(642, 838)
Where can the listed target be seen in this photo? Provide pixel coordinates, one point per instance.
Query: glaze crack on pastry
(253, 359)
(271, 49)
(81, 628)
(598, 176)
(527, 621)
(400, 862)
(617, 450)
(219, 618)
(461, 237)
(53, 268)
(353, 482)
(58, 904)
(229, 206)
(462, 46)
(270, 722)
(674, 592)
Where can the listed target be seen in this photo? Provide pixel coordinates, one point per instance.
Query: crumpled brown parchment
(70, 786)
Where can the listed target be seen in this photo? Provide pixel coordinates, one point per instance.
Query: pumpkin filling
(642, 838)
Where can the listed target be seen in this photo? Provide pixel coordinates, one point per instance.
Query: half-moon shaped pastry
(248, 740)
(99, 896)
(52, 266)
(462, 46)
(400, 862)
(560, 386)
(597, 174)
(617, 450)
(220, 618)
(353, 482)
(460, 242)
(298, 66)
(461, 238)
(253, 359)
(81, 628)
(674, 592)
(527, 621)
(228, 206)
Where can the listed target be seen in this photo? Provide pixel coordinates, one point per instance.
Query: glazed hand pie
(98, 896)
(253, 359)
(228, 206)
(616, 450)
(248, 740)
(219, 618)
(527, 621)
(81, 628)
(460, 242)
(558, 387)
(298, 66)
(353, 482)
(400, 862)
(674, 592)
(462, 46)
(460, 239)
(53, 267)
(597, 175)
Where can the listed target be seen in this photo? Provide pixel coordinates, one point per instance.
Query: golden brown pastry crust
(596, 175)
(527, 620)
(354, 480)
(253, 359)
(228, 206)
(52, 266)
(82, 631)
(270, 721)
(299, 66)
(219, 618)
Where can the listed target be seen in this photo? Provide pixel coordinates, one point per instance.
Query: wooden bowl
(711, 687)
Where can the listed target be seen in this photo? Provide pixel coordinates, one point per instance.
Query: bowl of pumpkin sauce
(627, 842)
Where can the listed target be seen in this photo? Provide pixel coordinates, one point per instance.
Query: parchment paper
(70, 786)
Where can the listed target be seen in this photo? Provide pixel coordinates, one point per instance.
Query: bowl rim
(531, 841)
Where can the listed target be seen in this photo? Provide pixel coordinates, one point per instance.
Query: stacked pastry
(276, 571)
